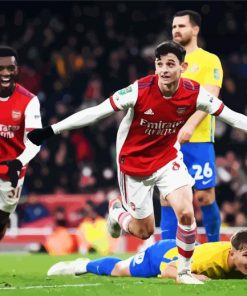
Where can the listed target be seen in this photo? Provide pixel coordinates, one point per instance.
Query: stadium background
(74, 55)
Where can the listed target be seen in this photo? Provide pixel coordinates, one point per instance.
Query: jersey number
(202, 172)
(15, 193)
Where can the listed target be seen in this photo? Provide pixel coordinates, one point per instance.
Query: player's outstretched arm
(210, 104)
(77, 120)
(233, 118)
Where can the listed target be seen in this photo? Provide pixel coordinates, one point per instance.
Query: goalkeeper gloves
(37, 136)
(13, 170)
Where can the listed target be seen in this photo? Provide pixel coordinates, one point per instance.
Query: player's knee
(145, 233)
(119, 270)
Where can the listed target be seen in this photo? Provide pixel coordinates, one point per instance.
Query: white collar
(4, 99)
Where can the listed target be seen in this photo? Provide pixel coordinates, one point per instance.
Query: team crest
(181, 110)
(16, 115)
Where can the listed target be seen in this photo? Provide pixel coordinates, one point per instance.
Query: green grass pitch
(25, 274)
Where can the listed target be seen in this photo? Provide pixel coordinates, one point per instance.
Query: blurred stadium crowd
(74, 55)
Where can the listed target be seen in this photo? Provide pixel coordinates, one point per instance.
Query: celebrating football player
(148, 151)
(20, 113)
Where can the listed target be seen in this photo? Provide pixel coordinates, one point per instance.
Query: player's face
(183, 30)
(240, 261)
(8, 73)
(169, 69)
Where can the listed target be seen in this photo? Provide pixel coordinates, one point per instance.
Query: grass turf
(22, 274)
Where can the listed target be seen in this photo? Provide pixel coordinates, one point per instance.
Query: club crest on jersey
(16, 115)
(181, 110)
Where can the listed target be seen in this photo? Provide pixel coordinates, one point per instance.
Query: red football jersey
(147, 136)
(19, 113)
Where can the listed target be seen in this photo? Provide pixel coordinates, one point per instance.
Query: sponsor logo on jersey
(8, 131)
(161, 128)
(216, 74)
(16, 115)
(149, 112)
(181, 110)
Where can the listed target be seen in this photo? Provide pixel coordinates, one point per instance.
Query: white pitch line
(49, 286)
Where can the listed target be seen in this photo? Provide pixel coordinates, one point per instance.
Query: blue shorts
(147, 263)
(200, 161)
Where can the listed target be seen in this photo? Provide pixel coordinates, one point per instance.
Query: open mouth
(166, 77)
(5, 82)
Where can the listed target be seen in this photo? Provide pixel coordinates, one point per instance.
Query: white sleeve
(32, 115)
(125, 98)
(32, 120)
(233, 118)
(208, 103)
(84, 117)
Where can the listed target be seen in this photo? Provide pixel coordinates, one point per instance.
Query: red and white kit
(147, 148)
(20, 113)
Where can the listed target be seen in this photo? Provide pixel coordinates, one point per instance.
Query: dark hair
(7, 51)
(195, 17)
(170, 47)
(239, 240)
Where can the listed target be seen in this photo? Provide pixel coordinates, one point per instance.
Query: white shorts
(9, 196)
(137, 192)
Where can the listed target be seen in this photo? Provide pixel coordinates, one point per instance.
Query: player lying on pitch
(216, 260)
